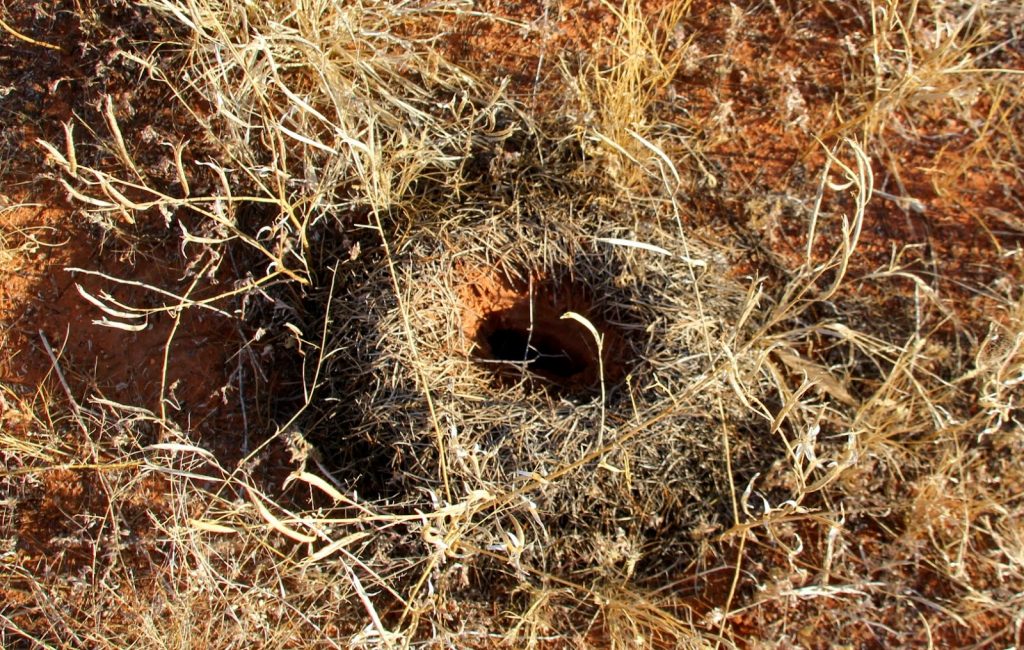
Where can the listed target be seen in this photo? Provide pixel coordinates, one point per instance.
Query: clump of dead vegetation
(750, 451)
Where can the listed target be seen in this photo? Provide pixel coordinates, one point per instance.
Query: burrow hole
(520, 333)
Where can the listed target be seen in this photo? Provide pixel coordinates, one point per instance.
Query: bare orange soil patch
(66, 64)
(44, 304)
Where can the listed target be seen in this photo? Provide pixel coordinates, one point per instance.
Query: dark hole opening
(543, 354)
(526, 339)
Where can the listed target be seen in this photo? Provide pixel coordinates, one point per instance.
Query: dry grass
(774, 464)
